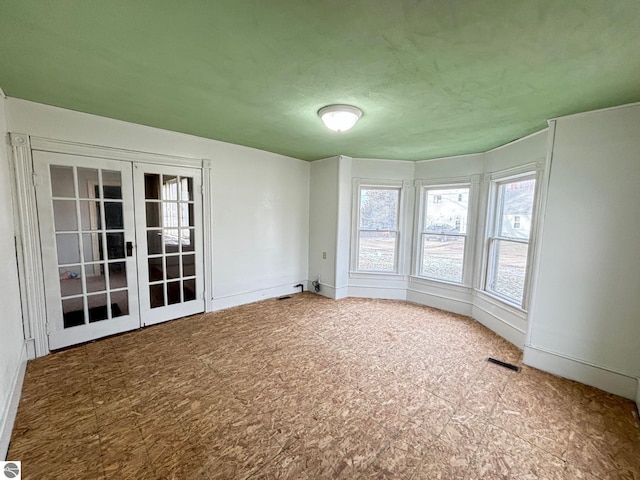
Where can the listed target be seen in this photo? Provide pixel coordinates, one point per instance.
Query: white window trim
(358, 184)
(422, 186)
(534, 170)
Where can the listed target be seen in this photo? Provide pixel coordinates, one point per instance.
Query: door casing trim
(27, 228)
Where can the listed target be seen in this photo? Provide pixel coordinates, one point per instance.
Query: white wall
(586, 311)
(260, 199)
(12, 345)
(323, 222)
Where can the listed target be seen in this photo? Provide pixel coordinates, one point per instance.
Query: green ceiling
(434, 78)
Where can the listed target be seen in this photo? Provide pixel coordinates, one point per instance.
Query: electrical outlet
(324, 255)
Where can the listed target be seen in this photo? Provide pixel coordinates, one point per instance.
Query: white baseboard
(330, 291)
(441, 302)
(583, 372)
(11, 409)
(508, 322)
(501, 327)
(243, 298)
(385, 293)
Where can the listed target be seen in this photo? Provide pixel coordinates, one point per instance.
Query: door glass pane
(111, 184)
(153, 214)
(70, 283)
(188, 265)
(62, 181)
(189, 290)
(73, 312)
(186, 189)
(186, 238)
(173, 293)
(64, 215)
(98, 308)
(156, 295)
(152, 186)
(169, 187)
(186, 215)
(88, 186)
(113, 215)
(95, 279)
(68, 246)
(120, 303)
(89, 214)
(115, 245)
(173, 266)
(117, 275)
(156, 272)
(92, 245)
(171, 240)
(154, 242)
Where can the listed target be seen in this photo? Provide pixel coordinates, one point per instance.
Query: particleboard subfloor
(311, 388)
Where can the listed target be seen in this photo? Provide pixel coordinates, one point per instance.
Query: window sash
(495, 236)
(424, 233)
(395, 230)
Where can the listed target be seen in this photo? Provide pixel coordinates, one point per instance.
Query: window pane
(377, 251)
(509, 269)
(446, 210)
(515, 203)
(442, 260)
(379, 209)
(64, 215)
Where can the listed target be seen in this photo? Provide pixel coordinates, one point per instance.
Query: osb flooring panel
(311, 388)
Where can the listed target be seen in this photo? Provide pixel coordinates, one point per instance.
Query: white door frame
(27, 228)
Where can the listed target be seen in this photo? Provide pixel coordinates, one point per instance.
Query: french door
(121, 246)
(169, 242)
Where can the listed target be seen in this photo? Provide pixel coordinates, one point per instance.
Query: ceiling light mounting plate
(339, 117)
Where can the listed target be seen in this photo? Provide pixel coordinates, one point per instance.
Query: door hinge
(36, 180)
(202, 190)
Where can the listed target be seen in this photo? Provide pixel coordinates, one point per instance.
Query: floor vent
(284, 298)
(510, 366)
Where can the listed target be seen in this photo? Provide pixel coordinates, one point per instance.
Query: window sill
(379, 275)
(432, 282)
(501, 302)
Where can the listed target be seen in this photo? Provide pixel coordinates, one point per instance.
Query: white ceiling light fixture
(339, 118)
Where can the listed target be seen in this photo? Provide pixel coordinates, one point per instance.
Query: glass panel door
(170, 242)
(85, 207)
